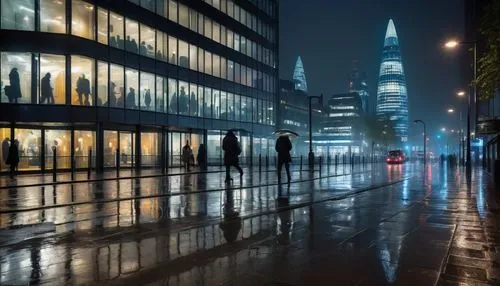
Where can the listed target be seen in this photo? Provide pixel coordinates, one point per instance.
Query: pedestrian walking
(201, 157)
(13, 158)
(13, 91)
(47, 92)
(83, 89)
(283, 148)
(231, 152)
(187, 154)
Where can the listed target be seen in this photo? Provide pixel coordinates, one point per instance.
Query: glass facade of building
(392, 96)
(88, 78)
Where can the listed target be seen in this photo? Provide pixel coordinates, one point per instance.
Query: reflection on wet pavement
(373, 226)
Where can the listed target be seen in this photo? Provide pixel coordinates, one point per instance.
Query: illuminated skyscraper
(357, 83)
(299, 76)
(392, 96)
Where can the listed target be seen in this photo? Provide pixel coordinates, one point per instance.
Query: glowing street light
(451, 110)
(451, 44)
(461, 93)
(443, 129)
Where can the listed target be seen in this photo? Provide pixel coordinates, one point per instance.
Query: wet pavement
(367, 225)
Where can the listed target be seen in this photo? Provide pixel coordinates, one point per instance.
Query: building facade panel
(134, 66)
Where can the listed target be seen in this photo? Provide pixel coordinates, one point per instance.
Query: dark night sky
(329, 34)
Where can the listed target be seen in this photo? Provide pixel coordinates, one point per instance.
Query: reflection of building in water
(113, 73)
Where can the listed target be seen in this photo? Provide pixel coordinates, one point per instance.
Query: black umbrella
(286, 132)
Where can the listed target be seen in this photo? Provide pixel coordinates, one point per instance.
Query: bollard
(54, 163)
(260, 163)
(267, 162)
(343, 159)
(117, 163)
(89, 163)
(328, 160)
(300, 163)
(336, 160)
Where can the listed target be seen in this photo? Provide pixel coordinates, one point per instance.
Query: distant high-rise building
(299, 76)
(357, 83)
(392, 96)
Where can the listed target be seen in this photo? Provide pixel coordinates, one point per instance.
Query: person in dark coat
(201, 157)
(130, 101)
(187, 153)
(283, 148)
(83, 88)
(13, 91)
(5, 149)
(147, 99)
(47, 92)
(112, 95)
(231, 152)
(13, 158)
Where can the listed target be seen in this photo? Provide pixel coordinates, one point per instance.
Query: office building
(392, 96)
(93, 79)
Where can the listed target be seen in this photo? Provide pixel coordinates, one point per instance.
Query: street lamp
(425, 141)
(452, 44)
(311, 153)
(451, 110)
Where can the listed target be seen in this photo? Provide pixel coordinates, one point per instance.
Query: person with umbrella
(283, 148)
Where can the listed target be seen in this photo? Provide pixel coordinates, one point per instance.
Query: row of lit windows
(111, 85)
(244, 17)
(124, 33)
(197, 22)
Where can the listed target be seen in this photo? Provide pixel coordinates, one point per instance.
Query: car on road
(395, 157)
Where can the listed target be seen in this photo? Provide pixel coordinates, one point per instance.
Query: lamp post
(452, 44)
(311, 153)
(425, 141)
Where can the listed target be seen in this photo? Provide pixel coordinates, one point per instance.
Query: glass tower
(392, 96)
(299, 76)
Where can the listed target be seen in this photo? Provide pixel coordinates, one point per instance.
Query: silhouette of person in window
(83, 88)
(130, 101)
(47, 90)
(173, 103)
(183, 101)
(112, 96)
(134, 46)
(144, 50)
(193, 104)
(13, 91)
(147, 99)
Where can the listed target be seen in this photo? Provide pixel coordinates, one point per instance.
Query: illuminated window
(58, 141)
(183, 54)
(102, 84)
(184, 15)
(207, 102)
(83, 19)
(183, 98)
(132, 40)
(102, 26)
(30, 144)
(147, 46)
(147, 91)
(15, 77)
(193, 100)
(172, 96)
(132, 97)
(52, 79)
(172, 11)
(172, 48)
(53, 16)
(116, 31)
(85, 141)
(116, 86)
(160, 94)
(82, 81)
(18, 15)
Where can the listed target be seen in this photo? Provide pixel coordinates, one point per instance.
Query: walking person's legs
(287, 167)
(12, 170)
(237, 166)
(228, 177)
(280, 164)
